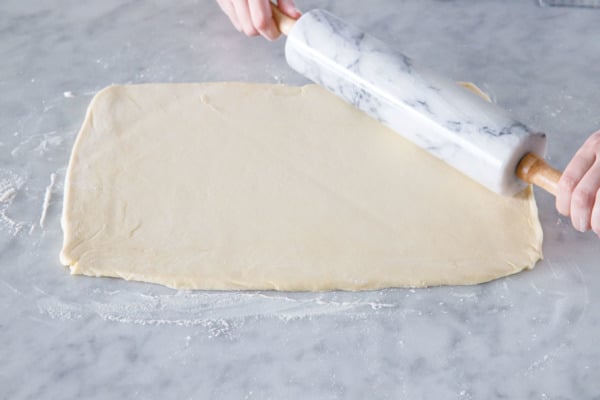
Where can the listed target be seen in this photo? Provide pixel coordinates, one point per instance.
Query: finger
(229, 10)
(584, 198)
(289, 8)
(595, 219)
(243, 16)
(262, 19)
(576, 169)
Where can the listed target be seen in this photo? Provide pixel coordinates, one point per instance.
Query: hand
(253, 17)
(579, 187)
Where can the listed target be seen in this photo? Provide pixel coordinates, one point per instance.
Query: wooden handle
(283, 22)
(533, 169)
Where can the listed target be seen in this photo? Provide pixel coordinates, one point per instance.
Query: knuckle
(262, 22)
(592, 144)
(250, 31)
(583, 197)
(594, 139)
(595, 135)
(567, 183)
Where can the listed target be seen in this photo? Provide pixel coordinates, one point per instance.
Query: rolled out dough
(250, 186)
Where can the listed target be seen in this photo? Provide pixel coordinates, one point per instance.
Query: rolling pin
(453, 124)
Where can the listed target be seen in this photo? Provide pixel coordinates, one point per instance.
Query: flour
(10, 184)
(47, 198)
(219, 313)
(40, 143)
(48, 141)
(8, 195)
(57, 309)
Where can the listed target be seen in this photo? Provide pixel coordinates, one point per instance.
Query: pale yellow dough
(249, 186)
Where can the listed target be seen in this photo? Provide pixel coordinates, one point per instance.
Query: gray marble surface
(530, 336)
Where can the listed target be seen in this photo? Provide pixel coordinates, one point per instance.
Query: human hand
(254, 17)
(579, 187)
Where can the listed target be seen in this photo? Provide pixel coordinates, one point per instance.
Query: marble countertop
(529, 336)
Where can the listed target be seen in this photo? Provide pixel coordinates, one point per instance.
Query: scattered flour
(48, 141)
(217, 312)
(10, 184)
(8, 195)
(47, 198)
(40, 143)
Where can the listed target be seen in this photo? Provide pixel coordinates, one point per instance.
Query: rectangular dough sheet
(255, 186)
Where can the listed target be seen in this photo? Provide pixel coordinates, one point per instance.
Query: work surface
(533, 335)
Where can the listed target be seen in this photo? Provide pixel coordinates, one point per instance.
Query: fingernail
(581, 224)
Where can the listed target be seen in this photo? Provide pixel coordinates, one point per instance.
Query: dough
(251, 186)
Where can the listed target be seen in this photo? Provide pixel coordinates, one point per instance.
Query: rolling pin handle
(535, 170)
(283, 22)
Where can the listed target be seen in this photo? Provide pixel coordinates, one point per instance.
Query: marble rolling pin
(472, 135)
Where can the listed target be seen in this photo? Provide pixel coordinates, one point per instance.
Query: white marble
(530, 336)
(465, 131)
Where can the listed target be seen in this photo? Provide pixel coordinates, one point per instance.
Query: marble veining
(529, 336)
(476, 137)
